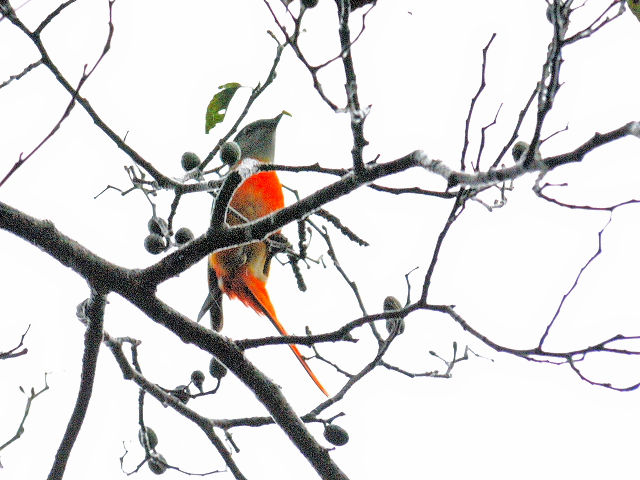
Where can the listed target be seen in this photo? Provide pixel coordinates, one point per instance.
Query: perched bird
(242, 272)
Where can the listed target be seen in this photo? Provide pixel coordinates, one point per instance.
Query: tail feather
(252, 292)
(213, 302)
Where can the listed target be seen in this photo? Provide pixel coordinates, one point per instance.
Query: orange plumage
(242, 272)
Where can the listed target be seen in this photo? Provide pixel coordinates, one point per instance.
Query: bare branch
(608, 385)
(537, 354)
(332, 254)
(357, 114)
(13, 353)
(91, 311)
(411, 190)
(32, 396)
(575, 282)
(353, 379)
(335, 221)
(490, 177)
(483, 84)
(165, 398)
(18, 76)
(435, 373)
(609, 208)
(163, 180)
(483, 132)
(55, 128)
(35, 36)
(293, 42)
(549, 83)
(51, 16)
(255, 93)
(516, 129)
(598, 139)
(598, 23)
(456, 210)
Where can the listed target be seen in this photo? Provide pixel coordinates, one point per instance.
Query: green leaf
(218, 105)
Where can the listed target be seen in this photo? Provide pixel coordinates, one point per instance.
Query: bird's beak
(277, 118)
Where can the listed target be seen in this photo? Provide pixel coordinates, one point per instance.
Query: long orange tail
(252, 292)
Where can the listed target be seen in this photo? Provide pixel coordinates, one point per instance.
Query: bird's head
(258, 139)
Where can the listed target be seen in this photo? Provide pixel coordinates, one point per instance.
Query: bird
(242, 272)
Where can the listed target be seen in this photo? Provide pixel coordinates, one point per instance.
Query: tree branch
(32, 396)
(18, 76)
(357, 114)
(483, 84)
(12, 353)
(206, 425)
(163, 180)
(93, 311)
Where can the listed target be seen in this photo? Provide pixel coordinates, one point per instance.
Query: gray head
(258, 139)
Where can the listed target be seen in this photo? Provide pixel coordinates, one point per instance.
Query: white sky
(418, 65)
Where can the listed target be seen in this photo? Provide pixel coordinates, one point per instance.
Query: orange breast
(258, 196)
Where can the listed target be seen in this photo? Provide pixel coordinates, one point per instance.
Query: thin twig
(167, 399)
(382, 349)
(18, 76)
(575, 282)
(13, 353)
(35, 37)
(255, 93)
(32, 396)
(163, 180)
(456, 210)
(483, 84)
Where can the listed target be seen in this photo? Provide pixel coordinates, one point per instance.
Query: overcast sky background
(418, 65)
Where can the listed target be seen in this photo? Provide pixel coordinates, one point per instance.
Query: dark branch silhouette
(138, 286)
